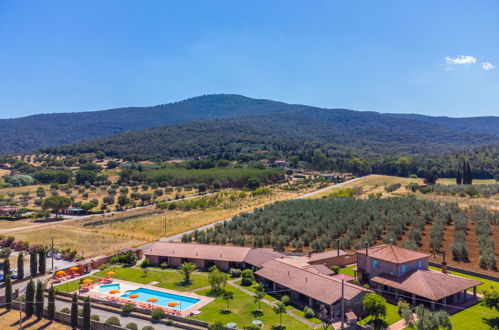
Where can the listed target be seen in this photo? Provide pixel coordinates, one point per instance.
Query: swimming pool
(163, 298)
(109, 287)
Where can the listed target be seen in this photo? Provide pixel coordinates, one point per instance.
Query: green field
(348, 270)
(476, 317)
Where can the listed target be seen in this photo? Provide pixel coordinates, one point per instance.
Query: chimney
(338, 247)
(444, 263)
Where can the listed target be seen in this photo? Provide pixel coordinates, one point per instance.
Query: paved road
(211, 225)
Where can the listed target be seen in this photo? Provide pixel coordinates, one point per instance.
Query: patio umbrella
(74, 268)
(172, 304)
(110, 273)
(87, 281)
(133, 296)
(114, 291)
(258, 323)
(152, 299)
(232, 325)
(60, 273)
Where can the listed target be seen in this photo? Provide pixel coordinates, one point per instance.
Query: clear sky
(425, 56)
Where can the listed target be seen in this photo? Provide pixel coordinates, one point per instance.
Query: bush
(157, 313)
(132, 326)
(335, 269)
(113, 320)
(308, 312)
(285, 300)
(164, 265)
(235, 272)
(95, 318)
(146, 263)
(66, 310)
(148, 327)
(127, 308)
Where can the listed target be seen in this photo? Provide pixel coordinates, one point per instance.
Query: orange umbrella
(133, 296)
(74, 268)
(152, 299)
(60, 273)
(110, 273)
(172, 304)
(114, 291)
(87, 281)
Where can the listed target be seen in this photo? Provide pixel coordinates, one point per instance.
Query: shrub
(235, 272)
(285, 300)
(132, 326)
(146, 263)
(95, 317)
(157, 313)
(113, 320)
(164, 265)
(308, 312)
(148, 327)
(127, 308)
(335, 269)
(65, 310)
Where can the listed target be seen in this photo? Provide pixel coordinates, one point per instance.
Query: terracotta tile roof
(344, 277)
(392, 253)
(319, 269)
(429, 284)
(325, 255)
(198, 251)
(319, 287)
(257, 257)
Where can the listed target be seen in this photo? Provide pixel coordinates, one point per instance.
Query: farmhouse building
(404, 273)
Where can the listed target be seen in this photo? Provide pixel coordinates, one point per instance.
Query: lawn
(487, 284)
(252, 288)
(476, 317)
(73, 285)
(348, 270)
(391, 317)
(167, 279)
(242, 309)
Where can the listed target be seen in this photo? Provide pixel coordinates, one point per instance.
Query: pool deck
(95, 293)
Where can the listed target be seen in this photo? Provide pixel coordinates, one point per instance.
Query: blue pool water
(163, 298)
(109, 287)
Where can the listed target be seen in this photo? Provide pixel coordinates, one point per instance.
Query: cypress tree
(6, 266)
(42, 262)
(39, 300)
(86, 314)
(470, 174)
(8, 292)
(51, 304)
(465, 174)
(33, 263)
(30, 297)
(74, 311)
(20, 265)
(459, 177)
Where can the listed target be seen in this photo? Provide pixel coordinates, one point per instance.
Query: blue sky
(429, 57)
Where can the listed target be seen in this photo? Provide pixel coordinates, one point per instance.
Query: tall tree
(186, 269)
(491, 299)
(30, 298)
(74, 311)
(280, 309)
(6, 266)
(56, 204)
(8, 292)
(42, 261)
(374, 305)
(39, 300)
(20, 265)
(51, 304)
(469, 172)
(459, 177)
(86, 314)
(228, 296)
(33, 263)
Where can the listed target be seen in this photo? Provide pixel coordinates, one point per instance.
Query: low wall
(467, 272)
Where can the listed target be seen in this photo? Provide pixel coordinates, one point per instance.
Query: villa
(402, 272)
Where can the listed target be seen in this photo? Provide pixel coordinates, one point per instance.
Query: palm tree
(186, 269)
(259, 295)
(227, 296)
(280, 309)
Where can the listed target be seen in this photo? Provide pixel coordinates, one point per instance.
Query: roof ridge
(420, 274)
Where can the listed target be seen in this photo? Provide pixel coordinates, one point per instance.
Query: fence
(467, 272)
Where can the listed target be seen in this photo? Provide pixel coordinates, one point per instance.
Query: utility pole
(165, 226)
(20, 314)
(342, 303)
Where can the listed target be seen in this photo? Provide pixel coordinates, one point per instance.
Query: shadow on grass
(225, 311)
(493, 323)
(257, 313)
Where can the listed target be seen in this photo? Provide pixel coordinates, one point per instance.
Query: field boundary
(467, 272)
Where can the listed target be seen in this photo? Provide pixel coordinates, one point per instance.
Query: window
(375, 264)
(404, 268)
(420, 264)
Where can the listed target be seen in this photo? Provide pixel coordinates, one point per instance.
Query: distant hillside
(344, 131)
(28, 133)
(335, 126)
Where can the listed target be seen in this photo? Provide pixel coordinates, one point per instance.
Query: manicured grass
(476, 317)
(73, 285)
(300, 313)
(348, 270)
(391, 317)
(242, 308)
(252, 288)
(487, 284)
(167, 279)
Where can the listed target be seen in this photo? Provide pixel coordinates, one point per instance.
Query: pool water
(163, 298)
(109, 287)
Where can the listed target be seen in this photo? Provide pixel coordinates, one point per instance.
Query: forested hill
(341, 132)
(32, 132)
(334, 125)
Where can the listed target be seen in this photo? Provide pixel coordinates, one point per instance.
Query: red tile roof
(257, 257)
(319, 287)
(326, 255)
(429, 284)
(393, 253)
